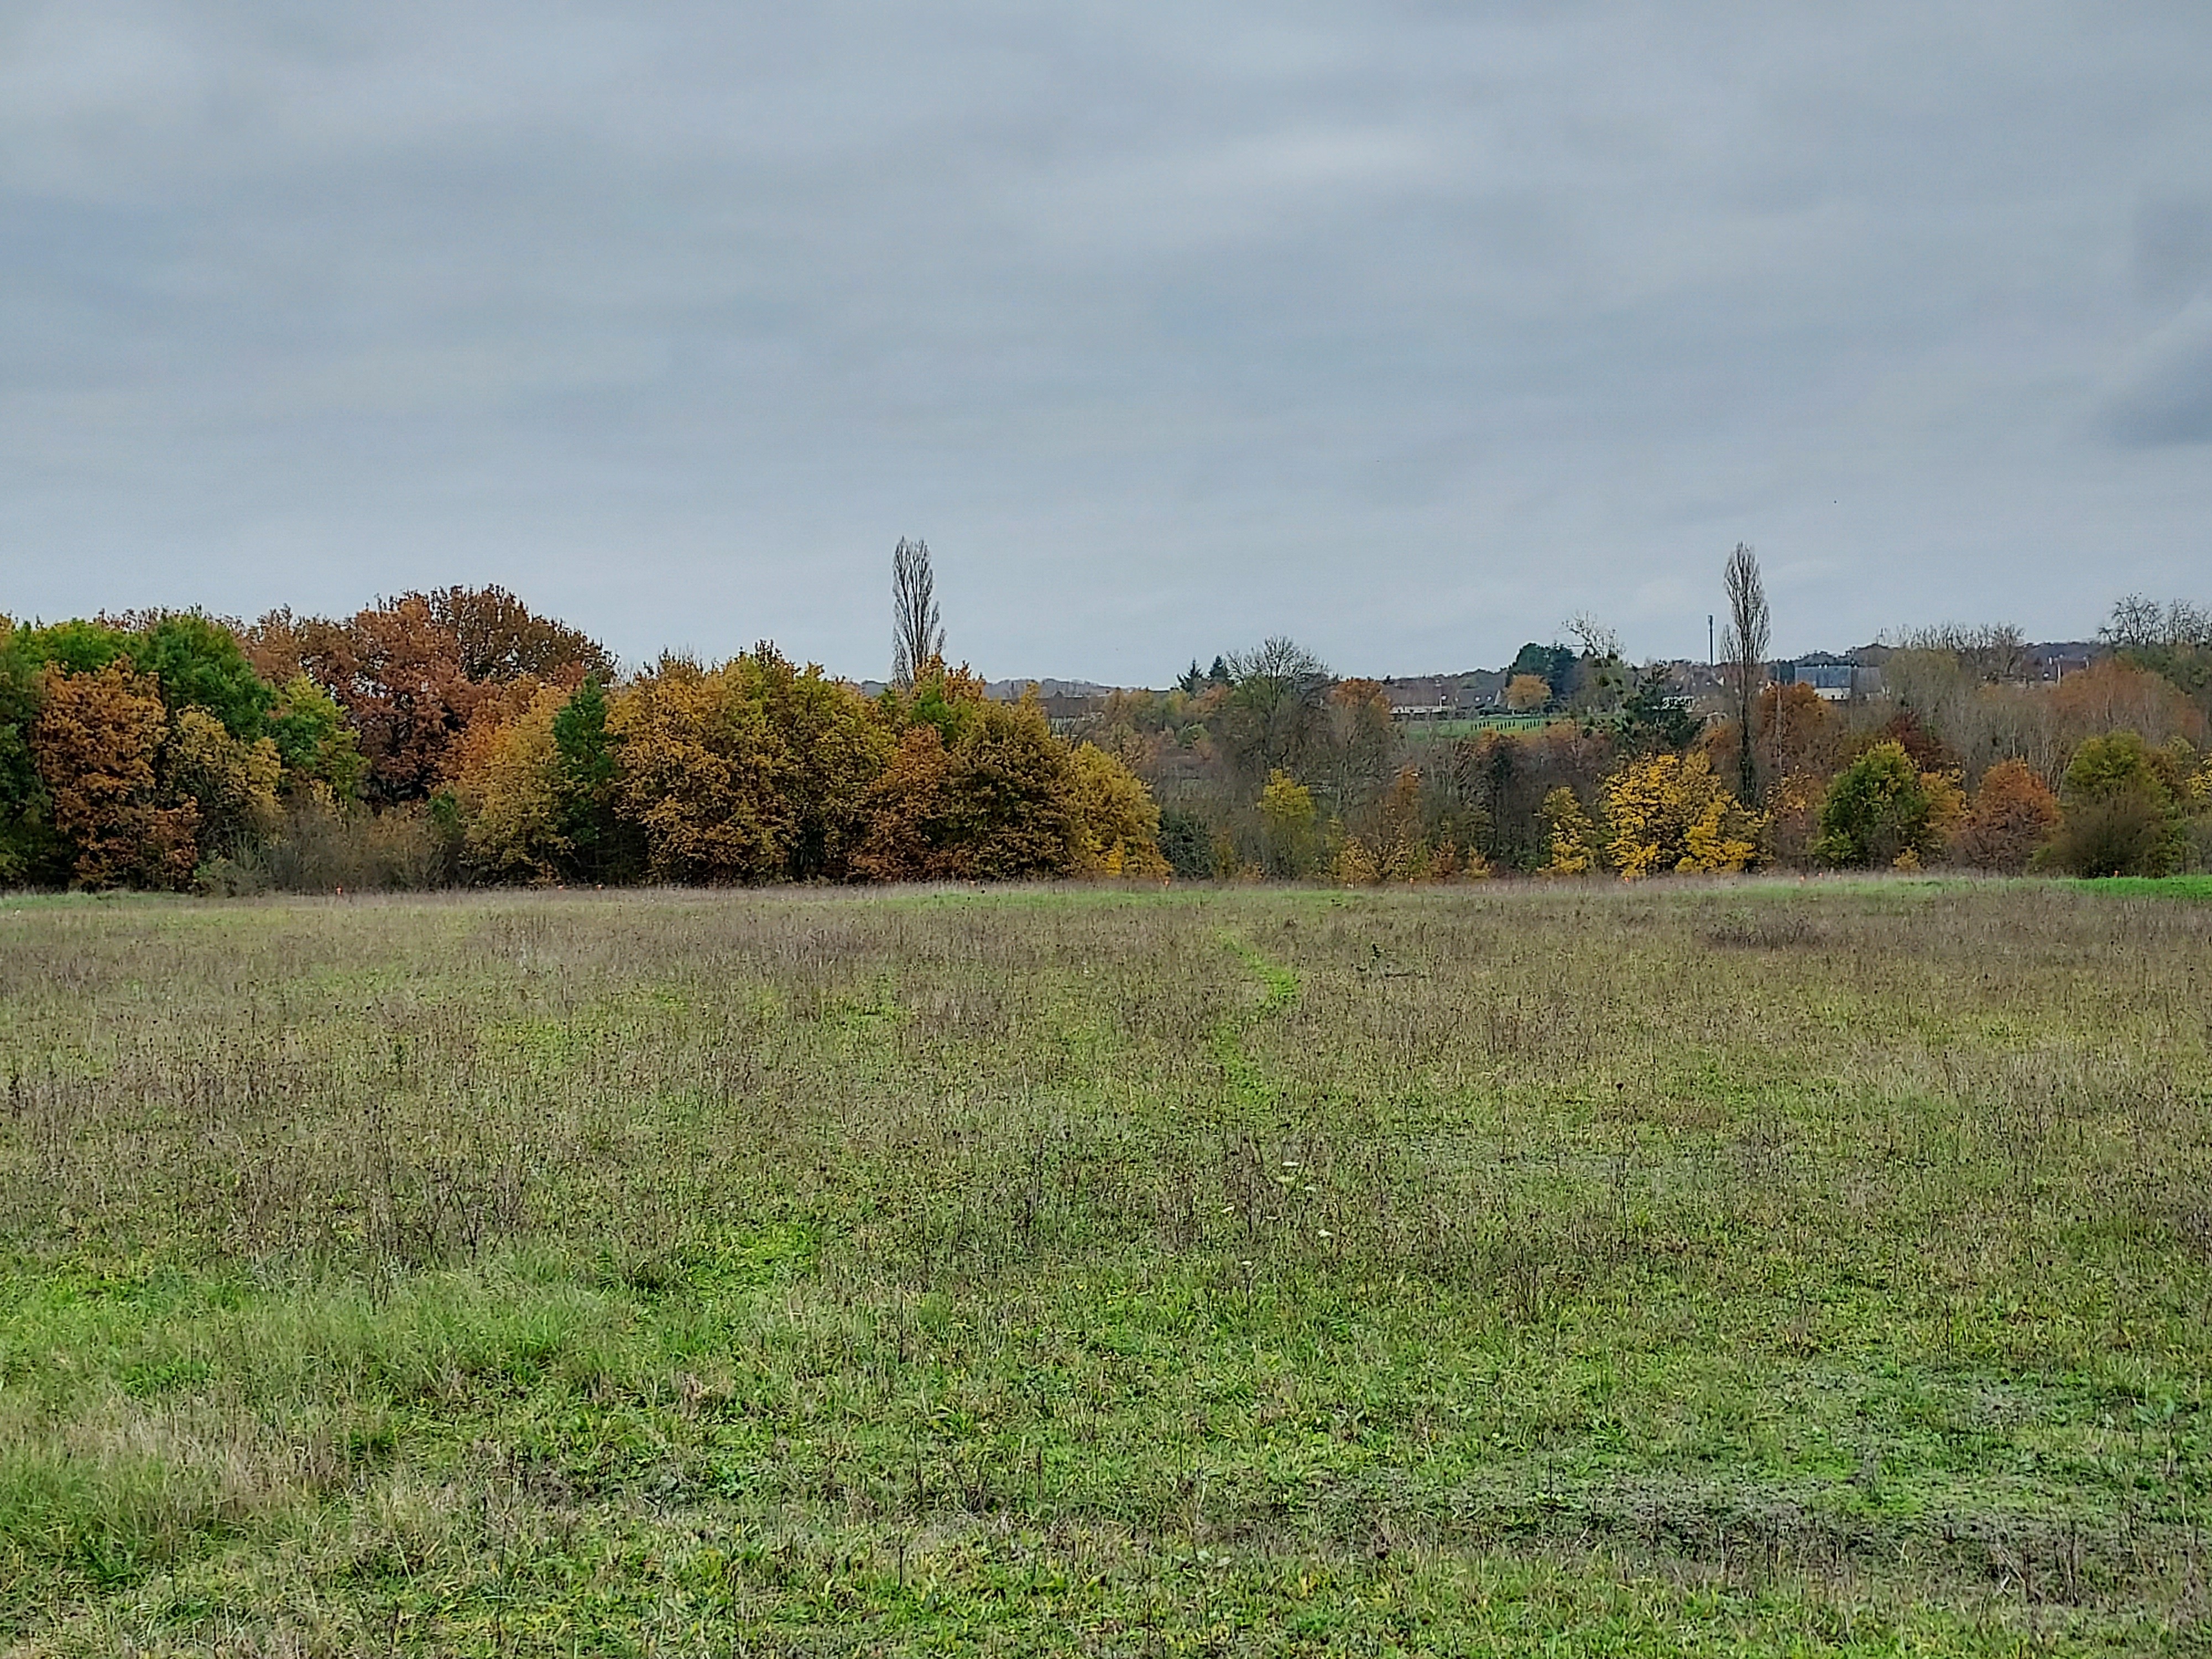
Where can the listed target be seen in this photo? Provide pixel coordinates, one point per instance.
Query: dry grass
(1738, 1267)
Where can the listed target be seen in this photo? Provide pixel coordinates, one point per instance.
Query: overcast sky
(1407, 330)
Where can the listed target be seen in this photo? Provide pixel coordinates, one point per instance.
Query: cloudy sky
(1406, 329)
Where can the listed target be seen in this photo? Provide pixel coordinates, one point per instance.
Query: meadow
(1767, 1267)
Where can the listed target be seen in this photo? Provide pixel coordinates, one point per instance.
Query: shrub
(1884, 810)
(1188, 845)
(1355, 866)
(2129, 833)
(320, 847)
(2012, 815)
(2121, 813)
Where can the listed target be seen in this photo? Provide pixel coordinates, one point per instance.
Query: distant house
(1833, 679)
(1422, 697)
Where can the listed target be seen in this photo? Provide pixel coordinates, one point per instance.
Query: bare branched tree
(1743, 652)
(917, 635)
(1600, 643)
(1281, 689)
(1605, 669)
(1989, 653)
(2138, 624)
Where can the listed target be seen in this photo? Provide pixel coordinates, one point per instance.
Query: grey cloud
(2165, 395)
(2173, 249)
(1409, 329)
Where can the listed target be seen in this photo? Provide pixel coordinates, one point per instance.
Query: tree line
(1267, 764)
(456, 736)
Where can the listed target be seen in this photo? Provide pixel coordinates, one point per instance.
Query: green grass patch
(2173, 887)
(1687, 1268)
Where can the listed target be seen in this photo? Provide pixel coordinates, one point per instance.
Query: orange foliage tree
(980, 790)
(754, 771)
(98, 742)
(2012, 815)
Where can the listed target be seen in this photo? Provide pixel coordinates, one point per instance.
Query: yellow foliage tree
(97, 743)
(1356, 865)
(506, 779)
(1672, 812)
(1525, 693)
(232, 782)
(1117, 825)
(1793, 818)
(1286, 820)
(1573, 836)
(700, 775)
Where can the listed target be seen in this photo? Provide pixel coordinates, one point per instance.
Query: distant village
(1479, 694)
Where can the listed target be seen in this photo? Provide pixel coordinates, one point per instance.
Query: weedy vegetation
(1743, 1269)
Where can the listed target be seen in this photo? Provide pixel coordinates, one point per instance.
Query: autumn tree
(498, 638)
(1288, 826)
(2012, 815)
(754, 771)
(1883, 810)
(1015, 811)
(1793, 808)
(2121, 810)
(701, 776)
(975, 790)
(1117, 824)
(98, 742)
(505, 785)
(2120, 696)
(1396, 833)
(914, 831)
(397, 671)
(229, 781)
(1570, 834)
(1799, 732)
(1527, 693)
(1671, 812)
(833, 747)
(1355, 743)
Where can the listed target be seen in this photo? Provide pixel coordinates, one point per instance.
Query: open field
(1737, 1269)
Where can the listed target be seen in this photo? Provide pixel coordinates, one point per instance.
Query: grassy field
(1789, 1267)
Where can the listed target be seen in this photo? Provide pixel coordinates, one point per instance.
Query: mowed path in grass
(1766, 1267)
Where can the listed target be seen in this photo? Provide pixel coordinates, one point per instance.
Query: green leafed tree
(321, 755)
(75, 646)
(601, 846)
(27, 846)
(1883, 810)
(201, 665)
(2120, 810)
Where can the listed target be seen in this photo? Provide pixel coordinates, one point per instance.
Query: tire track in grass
(1249, 1086)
